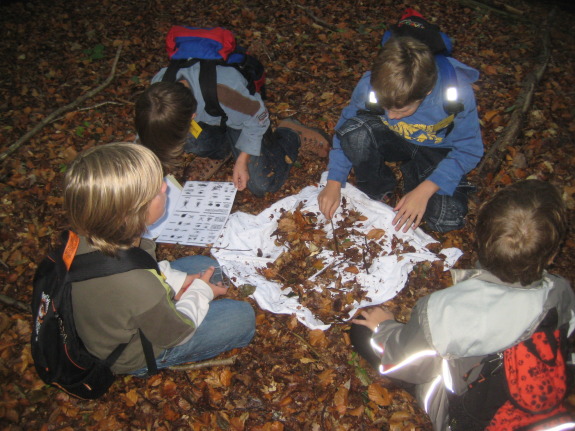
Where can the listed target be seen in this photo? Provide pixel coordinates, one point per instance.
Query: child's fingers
(207, 274)
(361, 322)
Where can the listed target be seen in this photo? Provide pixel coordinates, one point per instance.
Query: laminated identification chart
(199, 214)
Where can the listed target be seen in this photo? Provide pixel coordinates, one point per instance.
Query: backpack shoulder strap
(97, 264)
(209, 85)
(170, 75)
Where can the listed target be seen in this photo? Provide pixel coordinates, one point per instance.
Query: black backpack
(60, 357)
(211, 47)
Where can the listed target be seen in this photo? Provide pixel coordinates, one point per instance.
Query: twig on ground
(309, 346)
(509, 12)
(494, 156)
(14, 302)
(205, 364)
(319, 21)
(58, 112)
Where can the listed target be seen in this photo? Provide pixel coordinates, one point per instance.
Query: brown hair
(107, 193)
(520, 230)
(163, 115)
(404, 72)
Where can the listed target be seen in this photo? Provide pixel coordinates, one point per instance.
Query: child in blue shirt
(409, 125)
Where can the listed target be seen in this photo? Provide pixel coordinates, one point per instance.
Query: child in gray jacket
(487, 310)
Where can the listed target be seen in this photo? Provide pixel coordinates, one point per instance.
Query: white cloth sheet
(237, 247)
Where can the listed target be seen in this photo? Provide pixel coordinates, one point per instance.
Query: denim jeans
(227, 325)
(369, 144)
(268, 171)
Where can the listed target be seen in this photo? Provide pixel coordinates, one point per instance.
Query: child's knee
(445, 213)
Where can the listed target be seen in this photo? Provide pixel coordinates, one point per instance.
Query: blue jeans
(268, 171)
(369, 144)
(228, 324)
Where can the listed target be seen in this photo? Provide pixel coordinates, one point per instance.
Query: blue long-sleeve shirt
(464, 140)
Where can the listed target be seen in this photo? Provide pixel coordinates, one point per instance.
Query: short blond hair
(107, 192)
(404, 72)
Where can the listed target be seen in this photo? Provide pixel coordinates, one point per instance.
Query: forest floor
(289, 377)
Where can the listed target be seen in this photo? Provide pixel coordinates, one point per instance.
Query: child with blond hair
(111, 193)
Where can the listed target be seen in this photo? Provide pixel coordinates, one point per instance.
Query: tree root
(58, 112)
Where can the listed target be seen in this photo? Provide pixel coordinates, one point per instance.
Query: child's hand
(373, 317)
(241, 174)
(329, 198)
(218, 288)
(411, 208)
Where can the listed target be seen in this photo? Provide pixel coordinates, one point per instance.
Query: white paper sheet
(200, 214)
(237, 251)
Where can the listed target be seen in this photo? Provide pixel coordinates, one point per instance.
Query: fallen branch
(205, 364)
(58, 112)
(494, 157)
(319, 21)
(14, 302)
(509, 12)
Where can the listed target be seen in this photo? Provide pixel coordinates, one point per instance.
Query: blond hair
(520, 230)
(107, 192)
(404, 72)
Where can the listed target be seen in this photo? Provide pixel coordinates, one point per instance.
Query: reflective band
(430, 392)
(411, 359)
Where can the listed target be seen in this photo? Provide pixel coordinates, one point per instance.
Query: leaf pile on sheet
(349, 250)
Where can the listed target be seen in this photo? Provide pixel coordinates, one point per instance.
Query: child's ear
(194, 115)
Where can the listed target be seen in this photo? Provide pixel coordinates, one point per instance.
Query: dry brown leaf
(317, 337)
(131, 397)
(375, 234)
(340, 400)
(169, 413)
(326, 377)
(379, 395)
(226, 377)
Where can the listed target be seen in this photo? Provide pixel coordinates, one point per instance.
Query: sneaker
(314, 141)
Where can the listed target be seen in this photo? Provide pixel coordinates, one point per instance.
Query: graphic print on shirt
(415, 132)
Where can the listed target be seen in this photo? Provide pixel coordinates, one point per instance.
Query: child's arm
(241, 174)
(406, 353)
(175, 278)
(329, 198)
(411, 207)
(194, 300)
